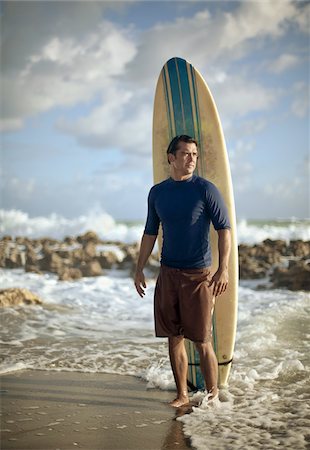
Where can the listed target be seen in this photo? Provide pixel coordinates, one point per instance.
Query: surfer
(185, 292)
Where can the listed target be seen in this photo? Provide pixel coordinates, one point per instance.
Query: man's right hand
(140, 283)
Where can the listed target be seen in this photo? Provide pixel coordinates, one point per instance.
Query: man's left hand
(219, 281)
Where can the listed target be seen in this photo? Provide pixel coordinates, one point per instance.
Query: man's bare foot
(180, 401)
(213, 395)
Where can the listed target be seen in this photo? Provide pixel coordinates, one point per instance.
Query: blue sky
(77, 88)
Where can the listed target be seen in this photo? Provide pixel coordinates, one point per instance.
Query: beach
(69, 410)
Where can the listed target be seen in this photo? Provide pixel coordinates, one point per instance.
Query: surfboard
(183, 104)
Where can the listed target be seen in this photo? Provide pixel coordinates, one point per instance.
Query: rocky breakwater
(285, 264)
(73, 258)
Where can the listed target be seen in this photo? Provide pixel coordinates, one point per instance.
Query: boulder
(295, 277)
(89, 250)
(131, 256)
(256, 261)
(52, 262)
(3, 252)
(108, 259)
(299, 248)
(16, 296)
(6, 238)
(69, 240)
(91, 269)
(33, 269)
(251, 269)
(31, 256)
(89, 236)
(21, 240)
(70, 274)
(15, 259)
(277, 245)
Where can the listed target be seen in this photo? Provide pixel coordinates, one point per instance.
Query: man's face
(185, 160)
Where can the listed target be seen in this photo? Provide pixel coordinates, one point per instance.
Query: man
(185, 292)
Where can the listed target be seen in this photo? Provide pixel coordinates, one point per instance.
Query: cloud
(122, 120)
(211, 38)
(61, 70)
(300, 104)
(126, 110)
(73, 53)
(284, 62)
(68, 55)
(239, 96)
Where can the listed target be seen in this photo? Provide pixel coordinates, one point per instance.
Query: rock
(6, 238)
(299, 249)
(250, 269)
(52, 262)
(257, 260)
(31, 256)
(70, 274)
(32, 262)
(21, 240)
(89, 236)
(108, 259)
(131, 256)
(64, 254)
(295, 277)
(49, 242)
(89, 250)
(16, 296)
(277, 245)
(33, 269)
(15, 259)
(3, 252)
(91, 269)
(69, 240)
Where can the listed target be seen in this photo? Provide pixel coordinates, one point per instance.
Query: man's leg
(179, 362)
(209, 366)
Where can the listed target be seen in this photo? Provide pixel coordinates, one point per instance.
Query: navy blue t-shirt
(185, 209)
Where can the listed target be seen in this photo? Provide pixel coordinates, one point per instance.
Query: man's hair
(173, 146)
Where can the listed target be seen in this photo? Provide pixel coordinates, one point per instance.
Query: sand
(43, 410)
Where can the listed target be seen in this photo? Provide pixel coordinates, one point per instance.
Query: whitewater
(101, 325)
(18, 223)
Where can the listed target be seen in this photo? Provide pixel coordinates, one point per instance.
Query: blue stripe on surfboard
(176, 97)
(197, 114)
(167, 103)
(186, 97)
(182, 107)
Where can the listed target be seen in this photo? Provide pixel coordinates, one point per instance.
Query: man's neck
(179, 177)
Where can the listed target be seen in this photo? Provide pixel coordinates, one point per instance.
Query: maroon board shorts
(184, 303)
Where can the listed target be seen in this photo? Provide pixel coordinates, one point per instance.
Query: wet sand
(68, 410)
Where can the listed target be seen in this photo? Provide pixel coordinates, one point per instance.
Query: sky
(77, 89)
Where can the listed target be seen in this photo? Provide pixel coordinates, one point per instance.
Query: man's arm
(220, 278)
(146, 247)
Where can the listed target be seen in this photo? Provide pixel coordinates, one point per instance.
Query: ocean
(101, 325)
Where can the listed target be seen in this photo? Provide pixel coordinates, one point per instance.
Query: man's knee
(175, 340)
(203, 347)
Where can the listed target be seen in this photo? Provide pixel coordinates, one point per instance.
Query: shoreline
(71, 410)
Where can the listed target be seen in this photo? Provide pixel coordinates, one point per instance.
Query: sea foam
(18, 223)
(101, 325)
